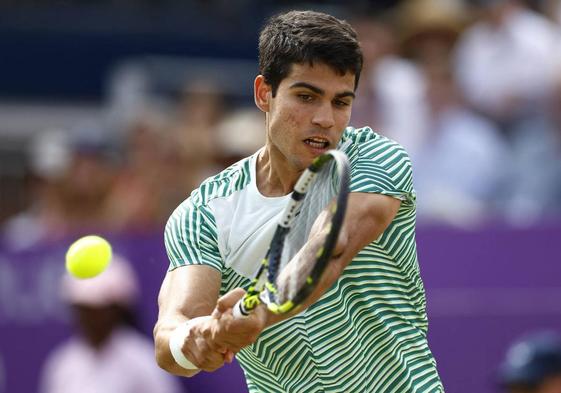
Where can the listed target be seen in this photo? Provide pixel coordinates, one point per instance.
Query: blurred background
(112, 111)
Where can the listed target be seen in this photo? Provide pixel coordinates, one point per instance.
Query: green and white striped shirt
(368, 332)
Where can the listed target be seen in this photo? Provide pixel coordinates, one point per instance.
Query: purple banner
(33, 320)
(484, 289)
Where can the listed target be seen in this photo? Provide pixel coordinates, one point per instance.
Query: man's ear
(262, 93)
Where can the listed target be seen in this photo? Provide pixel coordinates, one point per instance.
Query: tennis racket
(295, 261)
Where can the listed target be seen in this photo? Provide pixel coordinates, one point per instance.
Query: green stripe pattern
(368, 332)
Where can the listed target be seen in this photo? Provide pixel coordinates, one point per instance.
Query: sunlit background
(111, 112)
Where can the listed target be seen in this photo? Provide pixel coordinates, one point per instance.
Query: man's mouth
(317, 143)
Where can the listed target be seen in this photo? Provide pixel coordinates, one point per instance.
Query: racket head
(297, 261)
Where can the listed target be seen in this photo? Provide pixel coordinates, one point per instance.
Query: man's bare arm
(368, 216)
(186, 293)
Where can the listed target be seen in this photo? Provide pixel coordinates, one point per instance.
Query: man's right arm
(189, 292)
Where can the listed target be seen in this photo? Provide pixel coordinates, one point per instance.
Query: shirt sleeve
(380, 165)
(191, 237)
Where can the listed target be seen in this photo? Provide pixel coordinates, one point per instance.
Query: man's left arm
(367, 217)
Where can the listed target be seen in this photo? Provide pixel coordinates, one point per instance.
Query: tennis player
(365, 327)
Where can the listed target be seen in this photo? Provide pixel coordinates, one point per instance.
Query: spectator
(49, 155)
(506, 61)
(552, 8)
(462, 165)
(390, 95)
(200, 109)
(107, 355)
(73, 173)
(239, 134)
(459, 168)
(429, 30)
(89, 178)
(191, 151)
(533, 365)
(535, 184)
(135, 201)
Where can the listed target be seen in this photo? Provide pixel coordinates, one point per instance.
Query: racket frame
(262, 288)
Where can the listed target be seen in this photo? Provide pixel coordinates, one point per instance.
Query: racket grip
(239, 310)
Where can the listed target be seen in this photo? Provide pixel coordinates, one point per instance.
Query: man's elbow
(163, 355)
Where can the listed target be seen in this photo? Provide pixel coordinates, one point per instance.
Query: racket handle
(239, 310)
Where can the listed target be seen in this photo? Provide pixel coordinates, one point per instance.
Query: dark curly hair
(299, 37)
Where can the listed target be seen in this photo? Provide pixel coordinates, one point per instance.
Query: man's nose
(323, 116)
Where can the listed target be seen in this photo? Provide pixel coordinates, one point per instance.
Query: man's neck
(275, 176)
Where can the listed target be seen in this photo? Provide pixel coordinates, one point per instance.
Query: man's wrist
(176, 342)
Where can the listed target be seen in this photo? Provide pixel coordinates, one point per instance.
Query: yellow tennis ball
(88, 256)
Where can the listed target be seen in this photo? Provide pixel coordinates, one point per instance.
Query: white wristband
(176, 341)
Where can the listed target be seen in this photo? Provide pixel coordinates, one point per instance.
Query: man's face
(307, 116)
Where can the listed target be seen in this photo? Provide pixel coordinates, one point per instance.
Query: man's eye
(341, 103)
(305, 97)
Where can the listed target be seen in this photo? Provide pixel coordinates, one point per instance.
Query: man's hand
(199, 348)
(234, 334)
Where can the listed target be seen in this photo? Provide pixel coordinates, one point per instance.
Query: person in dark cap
(533, 365)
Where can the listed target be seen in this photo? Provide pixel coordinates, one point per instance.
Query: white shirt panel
(246, 221)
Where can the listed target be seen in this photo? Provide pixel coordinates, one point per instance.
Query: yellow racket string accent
(282, 308)
(250, 302)
(309, 280)
(252, 290)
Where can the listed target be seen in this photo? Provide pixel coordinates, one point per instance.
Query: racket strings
(297, 261)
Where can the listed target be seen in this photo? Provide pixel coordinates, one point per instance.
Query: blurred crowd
(473, 91)
(471, 88)
(102, 177)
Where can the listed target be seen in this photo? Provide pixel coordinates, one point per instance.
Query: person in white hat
(107, 355)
